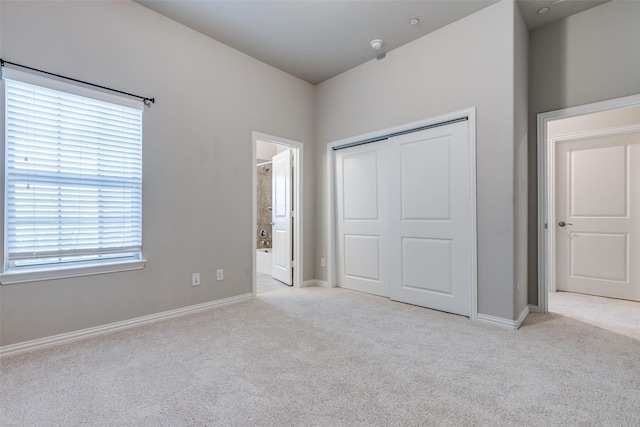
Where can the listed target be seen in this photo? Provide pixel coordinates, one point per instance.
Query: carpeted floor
(615, 315)
(318, 356)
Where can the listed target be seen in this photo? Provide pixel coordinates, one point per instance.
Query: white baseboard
(40, 343)
(534, 308)
(264, 271)
(314, 282)
(501, 322)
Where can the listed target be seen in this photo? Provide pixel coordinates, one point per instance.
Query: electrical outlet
(323, 262)
(219, 274)
(195, 279)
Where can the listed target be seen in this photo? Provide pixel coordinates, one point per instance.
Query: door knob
(562, 223)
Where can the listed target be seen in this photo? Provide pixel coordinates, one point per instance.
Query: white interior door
(431, 219)
(281, 217)
(598, 215)
(361, 218)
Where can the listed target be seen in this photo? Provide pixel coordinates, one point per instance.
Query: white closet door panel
(362, 257)
(427, 264)
(426, 180)
(360, 196)
(362, 224)
(404, 218)
(430, 218)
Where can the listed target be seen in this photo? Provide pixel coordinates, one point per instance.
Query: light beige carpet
(615, 315)
(317, 356)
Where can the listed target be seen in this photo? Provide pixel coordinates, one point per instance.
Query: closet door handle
(562, 223)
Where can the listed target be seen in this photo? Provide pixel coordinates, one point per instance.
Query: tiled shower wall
(264, 204)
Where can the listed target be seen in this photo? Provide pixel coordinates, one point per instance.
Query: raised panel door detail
(430, 221)
(362, 257)
(281, 218)
(280, 257)
(597, 213)
(599, 256)
(427, 265)
(362, 218)
(599, 182)
(360, 187)
(280, 190)
(426, 181)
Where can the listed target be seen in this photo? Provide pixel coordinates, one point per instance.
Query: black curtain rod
(147, 101)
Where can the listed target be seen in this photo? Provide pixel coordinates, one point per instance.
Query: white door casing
(431, 218)
(362, 219)
(546, 189)
(597, 218)
(297, 202)
(281, 217)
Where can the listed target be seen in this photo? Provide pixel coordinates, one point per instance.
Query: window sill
(12, 278)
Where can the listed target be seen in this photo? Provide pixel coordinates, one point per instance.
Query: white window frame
(58, 271)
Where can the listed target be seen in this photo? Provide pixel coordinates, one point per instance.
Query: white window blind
(73, 178)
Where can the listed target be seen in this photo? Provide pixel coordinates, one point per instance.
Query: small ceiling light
(543, 10)
(376, 44)
(414, 21)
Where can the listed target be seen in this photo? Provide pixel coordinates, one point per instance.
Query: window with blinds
(73, 188)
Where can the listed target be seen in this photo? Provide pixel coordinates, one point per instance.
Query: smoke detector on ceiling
(376, 44)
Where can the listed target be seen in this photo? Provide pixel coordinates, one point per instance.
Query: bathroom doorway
(277, 213)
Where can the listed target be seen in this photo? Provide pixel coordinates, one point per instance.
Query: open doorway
(277, 215)
(589, 230)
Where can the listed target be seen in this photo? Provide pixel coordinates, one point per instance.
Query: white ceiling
(319, 39)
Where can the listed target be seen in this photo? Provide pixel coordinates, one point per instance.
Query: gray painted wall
(589, 57)
(196, 157)
(521, 65)
(469, 63)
